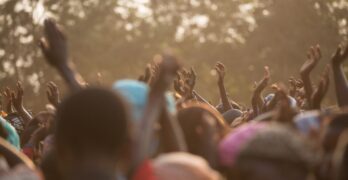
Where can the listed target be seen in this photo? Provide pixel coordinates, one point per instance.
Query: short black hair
(92, 120)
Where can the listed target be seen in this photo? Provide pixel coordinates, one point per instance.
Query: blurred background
(117, 38)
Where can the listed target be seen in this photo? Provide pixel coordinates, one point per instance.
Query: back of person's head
(337, 123)
(91, 122)
(231, 115)
(275, 153)
(43, 117)
(183, 166)
(199, 122)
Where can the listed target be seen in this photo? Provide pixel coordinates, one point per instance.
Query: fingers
(267, 72)
(52, 31)
(20, 90)
(44, 46)
(48, 93)
(13, 96)
(314, 53)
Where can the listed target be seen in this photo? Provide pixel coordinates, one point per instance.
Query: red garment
(145, 172)
(29, 151)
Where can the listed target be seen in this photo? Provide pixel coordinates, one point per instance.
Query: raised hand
(340, 55)
(179, 84)
(155, 107)
(166, 71)
(7, 100)
(54, 45)
(220, 69)
(313, 57)
(17, 98)
(53, 94)
(191, 79)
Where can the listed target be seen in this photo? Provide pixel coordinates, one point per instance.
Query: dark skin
(53, 94)
(322, 89)
(340, 80)
(313, 57)
(6, 94)
(220, 69)
(257, 99)
(17, 99)
(285, 113)
(55, 49)
(184, 84)
(154, 110)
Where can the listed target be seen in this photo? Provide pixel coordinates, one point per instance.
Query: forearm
(307, 85)
(223, 95)
(71, 77)
(171, 134)
(25, 115)
(151, 114)
(341, 86)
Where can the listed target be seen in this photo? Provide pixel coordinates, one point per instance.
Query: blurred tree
(118, 37)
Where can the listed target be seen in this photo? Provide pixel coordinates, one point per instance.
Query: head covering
(12, 136)
(231, 115)
(136, 94)
(230, 146)
(275, 145)
(183, 166)
(293, 102)
(307, 121)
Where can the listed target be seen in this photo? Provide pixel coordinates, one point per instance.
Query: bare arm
(257, 100)
(340, 80)
(18, 104)
(321, 90)
(171, 135)
(313, 57)
(54, 47)
(8, 101)
(220, 69)
(153, 110)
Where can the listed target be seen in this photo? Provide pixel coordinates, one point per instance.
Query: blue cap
(136, 94)
(12, 137)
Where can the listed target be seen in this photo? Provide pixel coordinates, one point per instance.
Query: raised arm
(54, 47)
(257, 100)
(7, 101)
(53, 94)
(220, 69)
(154, 109)
(322, 89)
(18, 104)
(313, 57)
(340, 80)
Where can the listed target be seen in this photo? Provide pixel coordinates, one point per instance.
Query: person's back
(91, 134)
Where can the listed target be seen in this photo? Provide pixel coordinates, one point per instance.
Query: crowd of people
(158, 127)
